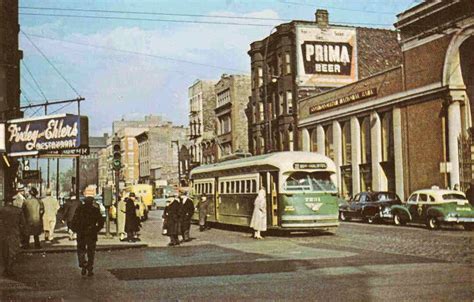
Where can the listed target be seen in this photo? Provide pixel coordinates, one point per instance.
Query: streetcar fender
(401, 211)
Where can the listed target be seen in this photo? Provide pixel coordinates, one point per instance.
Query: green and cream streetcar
(300, 186)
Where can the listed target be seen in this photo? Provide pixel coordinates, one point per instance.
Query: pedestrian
(121, 218)
(456, 187)
(51, 207)
(12, 228)
(187, 211)
(203, 208)
(259, 216)
(33, 209)
(132, 221)
(87, 223)
(19, 197)
(70, 208)
(171, 218)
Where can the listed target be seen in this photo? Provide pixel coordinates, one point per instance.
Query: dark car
(369, 206)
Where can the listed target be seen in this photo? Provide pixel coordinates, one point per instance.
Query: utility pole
(117, 166)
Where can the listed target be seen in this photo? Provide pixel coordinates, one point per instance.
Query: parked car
(435, 207)
(369, 206)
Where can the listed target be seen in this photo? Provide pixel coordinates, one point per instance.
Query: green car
(435, 207)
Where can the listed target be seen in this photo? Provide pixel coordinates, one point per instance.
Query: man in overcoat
(70, 208)
(33, 209)
(187, 211)
(203, 209)
(12, 228)
(132, 221)
(51, 207)
(171, 217)
(87, 223)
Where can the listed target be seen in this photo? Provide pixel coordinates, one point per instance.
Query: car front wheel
(343, 216)
(398, 220)
(468, 226)
(432, 223)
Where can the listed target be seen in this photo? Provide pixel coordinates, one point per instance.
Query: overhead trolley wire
(51, 63)
(34, 80)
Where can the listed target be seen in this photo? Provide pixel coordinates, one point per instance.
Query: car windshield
(386, 196)
(304, 181)
(454, 196)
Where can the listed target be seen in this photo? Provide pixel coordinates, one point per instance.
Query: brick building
(303, 58)
(158, 154)
(232, 92)
(89, 164)
(202, 102)
(402, 129)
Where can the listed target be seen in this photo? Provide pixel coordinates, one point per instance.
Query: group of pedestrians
(128, 218)
(177, 218)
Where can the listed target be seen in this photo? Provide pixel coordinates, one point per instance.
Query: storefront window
(387, 137)
(314, 140)
(329, 142)
(365, 145)
(346, 143)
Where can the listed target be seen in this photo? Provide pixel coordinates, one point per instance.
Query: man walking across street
(68, 214)
(87, 223)
(12, 227)
(33, 209)
(51, 207)
(187, 211)
(203, 208)
(171, 217)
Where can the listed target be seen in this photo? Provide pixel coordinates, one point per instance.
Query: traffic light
(117, 155)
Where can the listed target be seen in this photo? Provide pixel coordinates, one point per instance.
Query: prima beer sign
(48, 134)
(325, 57)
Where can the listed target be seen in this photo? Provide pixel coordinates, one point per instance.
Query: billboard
(326, 57)
(51, 134)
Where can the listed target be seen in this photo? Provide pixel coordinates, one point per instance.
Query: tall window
(282, 141)
(260, 77)
(329, 142)
(282, 103)
(289, 102)
(274, 102)
(290, 139)
(365, 143)
(261, 111)
(262, 145)
(288, 62)
(387, 137)
(280, 67)
(314, 140)
(346, 143)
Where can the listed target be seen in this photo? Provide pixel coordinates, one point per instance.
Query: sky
(128, 67)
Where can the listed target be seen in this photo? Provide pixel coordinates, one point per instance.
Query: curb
(68, 249)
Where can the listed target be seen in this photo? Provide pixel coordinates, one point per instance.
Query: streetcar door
(273, 198)
(217, 197)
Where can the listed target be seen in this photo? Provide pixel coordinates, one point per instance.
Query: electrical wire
(61, 108)
(139, 53)
(151, 13)
(338, 8)
(51, 63)
(34, 80)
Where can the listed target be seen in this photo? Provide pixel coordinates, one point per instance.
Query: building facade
(202, 102)
(158, 154)
(303, 58)
(89, 164)
(232, 92)
(403, 129)
(9, 85)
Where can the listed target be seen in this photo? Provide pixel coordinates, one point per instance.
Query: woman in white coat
(259, 216)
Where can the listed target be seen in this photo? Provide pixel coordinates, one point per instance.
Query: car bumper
(459, 219)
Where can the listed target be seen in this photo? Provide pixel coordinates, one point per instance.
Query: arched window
(365, 143)
(329, 142)
(346, 143)
(314, 140)
(387, 137)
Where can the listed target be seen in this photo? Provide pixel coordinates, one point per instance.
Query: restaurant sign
(47, 134)
(343, 100)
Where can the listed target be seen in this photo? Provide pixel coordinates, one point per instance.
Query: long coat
(33, 210)
(51, 207)
(259, 216)
(132, 222)
(171, 217)
(121, 217)
(12, 228)
(187, 211)
(87, 221)
(69, 210)
(203, 209)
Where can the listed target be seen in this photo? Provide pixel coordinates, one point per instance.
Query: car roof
(437, 192)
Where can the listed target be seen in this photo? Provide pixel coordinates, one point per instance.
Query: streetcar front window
(304, 181)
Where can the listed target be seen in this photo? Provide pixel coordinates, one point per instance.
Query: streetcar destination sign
(48, 134)
(309, 166)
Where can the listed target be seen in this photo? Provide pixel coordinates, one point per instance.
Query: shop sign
(344, 100)
(325, 57)
(48, 134)
(31, 175)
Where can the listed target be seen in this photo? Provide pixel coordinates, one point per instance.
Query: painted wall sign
(325, 57)
(46, 134)
(343, 100)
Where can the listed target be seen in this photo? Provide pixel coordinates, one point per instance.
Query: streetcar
(300, 190)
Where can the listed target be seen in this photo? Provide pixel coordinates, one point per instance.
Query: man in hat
(19, 197)
(187, 211)
(51, 207)
(70, 208)
(87, 223)
(12, 227)
(33, 210)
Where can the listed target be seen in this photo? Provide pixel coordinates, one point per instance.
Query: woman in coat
(259, 216)
(132, 222)
(121, 218)
(33, 209)
(171, 218)
(203, 208)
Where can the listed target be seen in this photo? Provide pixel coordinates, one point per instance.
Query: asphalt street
(360, 262)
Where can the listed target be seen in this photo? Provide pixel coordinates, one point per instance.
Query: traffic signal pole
(117, 166)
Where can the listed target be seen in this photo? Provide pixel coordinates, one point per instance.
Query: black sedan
(369, 206)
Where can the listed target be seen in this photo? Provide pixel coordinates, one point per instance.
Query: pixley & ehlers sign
(46, 134)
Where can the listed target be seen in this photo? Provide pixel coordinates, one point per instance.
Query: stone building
(303, 58)
(158, 154)
(405, 128)
(232, 93)
(89, 164)
(202, 102)
(9, 84)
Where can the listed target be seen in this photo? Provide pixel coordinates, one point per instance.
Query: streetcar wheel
(343, 216)
(398, 220)
(432, 223)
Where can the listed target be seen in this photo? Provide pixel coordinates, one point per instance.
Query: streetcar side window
(248, 187)
(228, 187)
(222, 188)
(237, 187)
(242, 186)
(254, 186)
